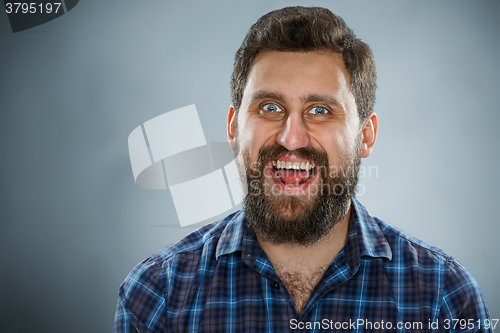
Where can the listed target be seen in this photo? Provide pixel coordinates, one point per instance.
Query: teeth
(294, 165)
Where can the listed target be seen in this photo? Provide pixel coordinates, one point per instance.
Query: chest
(300, 285)
(245, 300)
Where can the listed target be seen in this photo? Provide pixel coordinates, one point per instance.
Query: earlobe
(231, 126)
(370, 131)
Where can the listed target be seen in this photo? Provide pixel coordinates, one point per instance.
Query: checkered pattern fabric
(217, 279)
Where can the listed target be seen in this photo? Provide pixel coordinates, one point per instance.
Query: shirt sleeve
(463, 308)
(141, 301)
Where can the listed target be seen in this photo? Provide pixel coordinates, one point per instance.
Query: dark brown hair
(305, 29)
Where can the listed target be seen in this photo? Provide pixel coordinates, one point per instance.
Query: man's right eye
(271, 108)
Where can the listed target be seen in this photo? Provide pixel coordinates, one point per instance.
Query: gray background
(73, 222)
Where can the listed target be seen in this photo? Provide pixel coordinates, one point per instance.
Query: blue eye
(272, 108)
(318, 110)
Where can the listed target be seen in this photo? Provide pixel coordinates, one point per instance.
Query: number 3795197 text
(32, 7)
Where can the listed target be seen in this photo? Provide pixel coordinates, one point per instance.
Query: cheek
(337, 148)
(248, 148)
(254, 137)
(245, 141)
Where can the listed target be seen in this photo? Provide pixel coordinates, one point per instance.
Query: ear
(369, 130)
(231, 126)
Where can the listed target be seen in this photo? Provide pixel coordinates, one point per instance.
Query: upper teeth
(294, 165)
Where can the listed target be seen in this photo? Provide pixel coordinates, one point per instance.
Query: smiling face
(298, 143)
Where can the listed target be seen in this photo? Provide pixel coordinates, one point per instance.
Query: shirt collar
(231, 237)
(365, 236)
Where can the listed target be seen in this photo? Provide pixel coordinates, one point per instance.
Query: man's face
(298, 143)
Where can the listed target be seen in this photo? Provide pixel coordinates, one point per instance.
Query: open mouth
(294, 173)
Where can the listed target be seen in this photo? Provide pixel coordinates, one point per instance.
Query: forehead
(297, 75)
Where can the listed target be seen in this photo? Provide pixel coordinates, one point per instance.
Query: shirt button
(277, 285)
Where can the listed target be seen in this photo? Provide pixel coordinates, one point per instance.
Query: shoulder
(457, 292)
(192, 248)
(152, 268)
(149, 276)
(411, 248)
(462, 297)
(146, 290)
(410, 252)
(192, 243)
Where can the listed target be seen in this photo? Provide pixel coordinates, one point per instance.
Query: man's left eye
(318, 110)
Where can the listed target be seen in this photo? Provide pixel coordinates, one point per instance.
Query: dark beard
(305, 219)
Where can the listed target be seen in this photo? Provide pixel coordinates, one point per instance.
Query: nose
(294, 133)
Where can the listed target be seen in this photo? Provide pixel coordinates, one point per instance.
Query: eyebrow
(259, 95)
(314, 98)
(329, 100)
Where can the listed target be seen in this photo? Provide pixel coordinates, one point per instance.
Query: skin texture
(284, 103)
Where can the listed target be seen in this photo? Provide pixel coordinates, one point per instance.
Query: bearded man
(303, 254)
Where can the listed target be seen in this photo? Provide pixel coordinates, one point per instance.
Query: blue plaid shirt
(217, 279)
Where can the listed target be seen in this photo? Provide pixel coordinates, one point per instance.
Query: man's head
(296, 123)
(306, 29)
